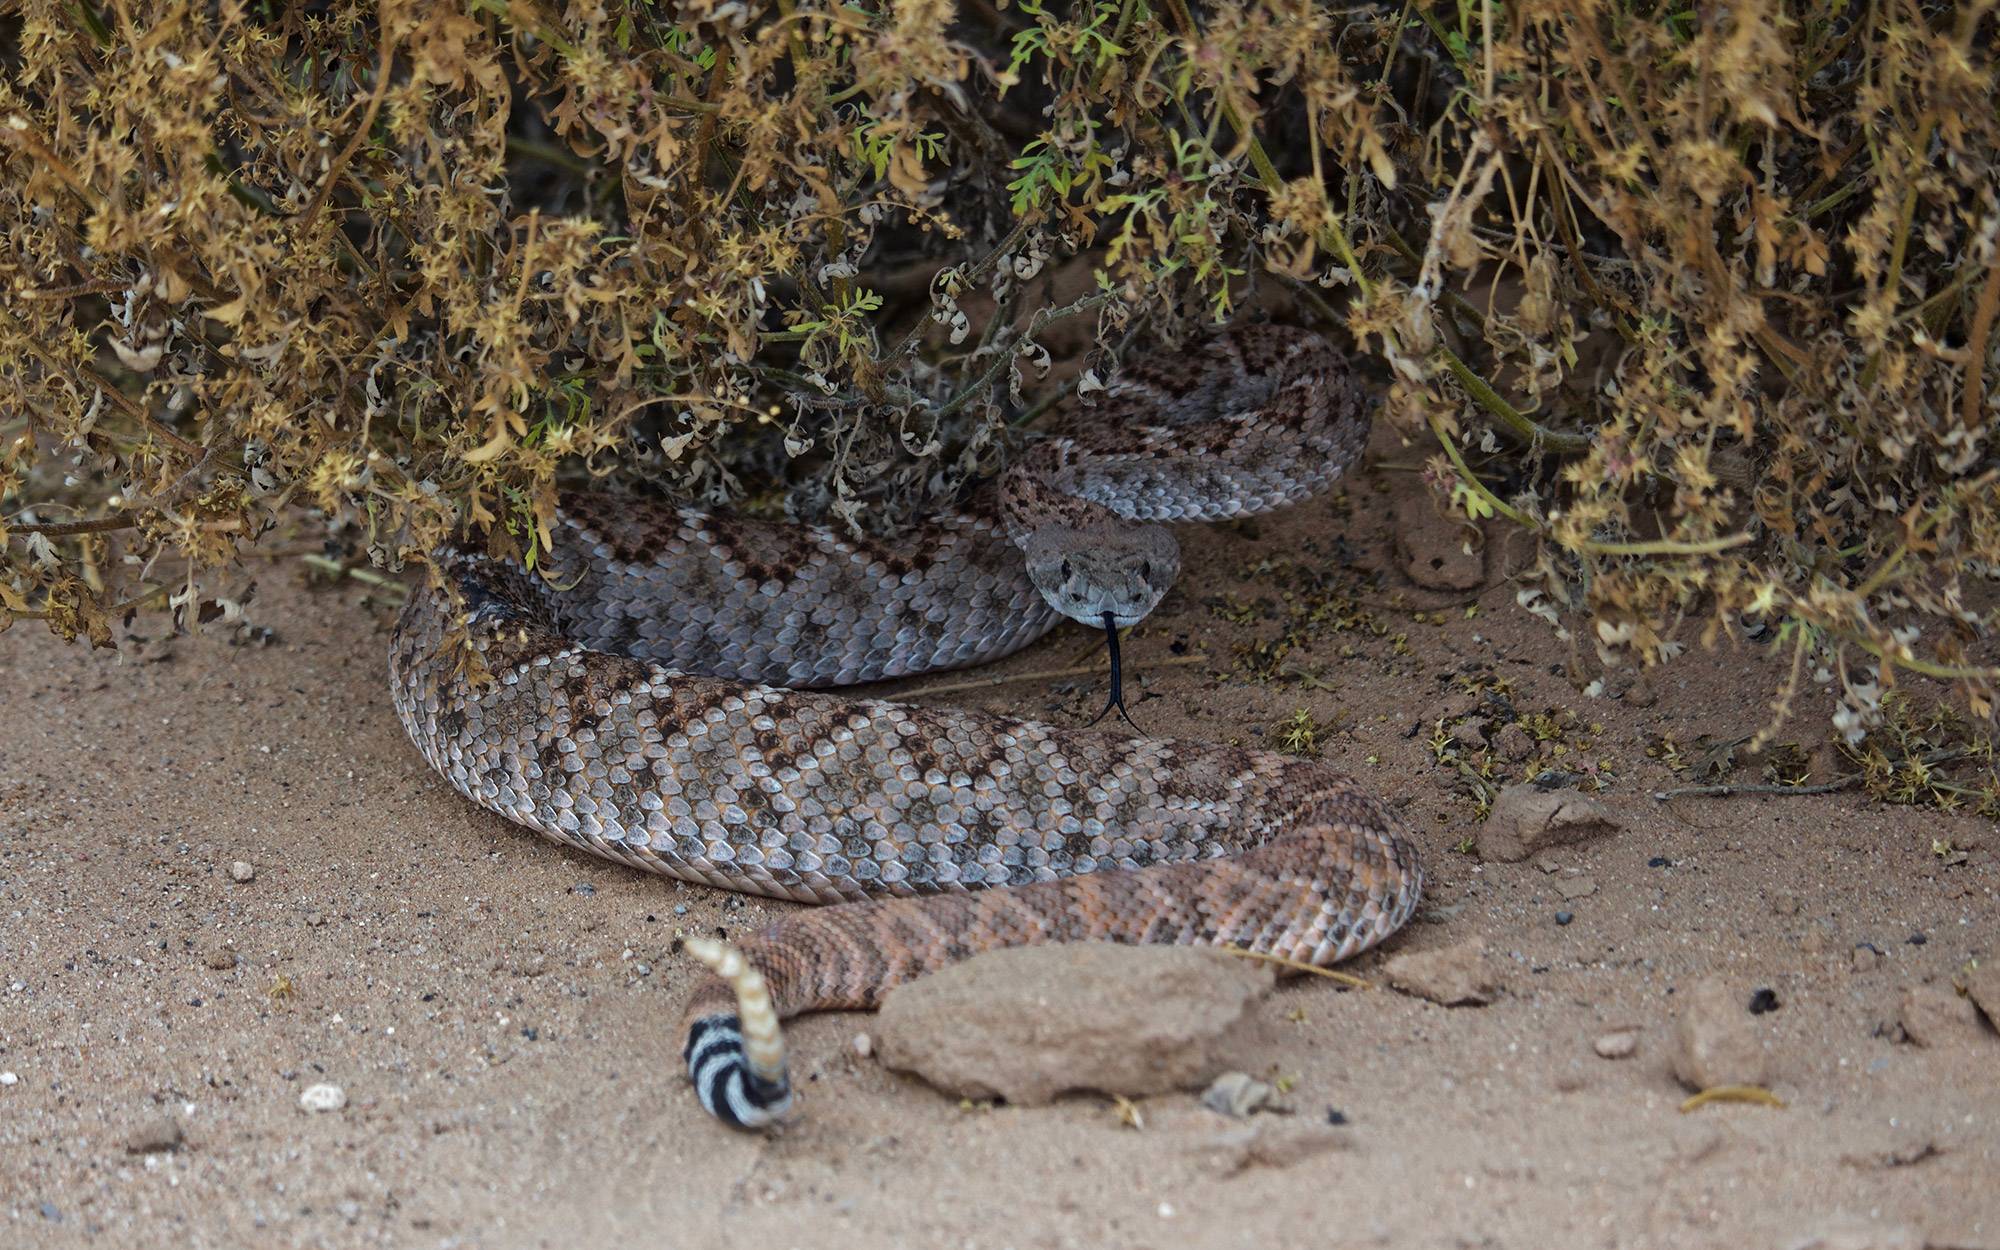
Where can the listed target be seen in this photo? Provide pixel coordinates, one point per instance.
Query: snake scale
(648, 697)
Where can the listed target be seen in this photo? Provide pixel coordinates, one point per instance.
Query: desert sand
(500, 1014)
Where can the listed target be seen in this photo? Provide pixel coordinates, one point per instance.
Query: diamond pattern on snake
(664, 694)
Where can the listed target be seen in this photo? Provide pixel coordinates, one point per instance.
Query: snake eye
(1066, 573)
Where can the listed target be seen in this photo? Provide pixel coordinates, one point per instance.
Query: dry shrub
(1702, 295)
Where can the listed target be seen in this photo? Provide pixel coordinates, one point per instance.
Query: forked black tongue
(1117, 677)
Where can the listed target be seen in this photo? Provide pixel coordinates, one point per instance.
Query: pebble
(1622, 1044)
(1030, 1023)
(1526, 820)
(159, 1137)
(1717, 1041)
(1935, 1018)
(1236, 1094)
(1452, 976)
(242, 871)
(1563, 917)
(1514, 743)
(1576, 887)
(1784, 903)
(8, 1078)
(864, 1045)
(222, 959)
(323, 1098)
(1866, 958)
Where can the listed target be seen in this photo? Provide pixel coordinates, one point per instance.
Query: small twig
(56, 529)
(370, 576)
(1725, 791)
(111, 611)
(1041, 321)
(1087, 670)
(974, 278)
(1345, 978)
(1975, 347)
(1041, 406)
(1515, 422)
(354, 143)
(1668, 546)
(1475, 485)
(1851, 779)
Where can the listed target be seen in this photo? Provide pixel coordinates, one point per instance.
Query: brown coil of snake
(643, 697)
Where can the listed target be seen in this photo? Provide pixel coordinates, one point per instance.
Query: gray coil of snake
(645, 697)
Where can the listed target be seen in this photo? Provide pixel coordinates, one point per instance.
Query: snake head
(1121, 569)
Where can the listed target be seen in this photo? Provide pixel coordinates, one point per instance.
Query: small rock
(1866, 958)
(1784, 903)
(323, 1098)
(1236, 1094)
(1514, 743)
(864, 1045)
(1938, 1018)
(1432, 549)
(160, 1137)
(222, 959)
(1030, 1023)
(1526, 819)
(1984, 987)
(1271, 1143)
(1470, 733)
(1576, 887)
(8, 1078)
(1716, 1041)
(1564, 917)
(1620, 1045)
(242, 871)
(1859, 1236)
(1452, 976)
(1548, 862)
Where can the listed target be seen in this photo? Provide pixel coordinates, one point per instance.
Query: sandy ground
(500, 1012)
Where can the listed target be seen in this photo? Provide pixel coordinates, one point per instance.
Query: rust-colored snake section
(903, 815)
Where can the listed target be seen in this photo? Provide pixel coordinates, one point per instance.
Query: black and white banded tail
(725, 1080)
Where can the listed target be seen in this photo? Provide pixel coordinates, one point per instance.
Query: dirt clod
(1526, 819)
(1432, 548)
(1455, 976)
(1938, 1018)
(1716, 1041)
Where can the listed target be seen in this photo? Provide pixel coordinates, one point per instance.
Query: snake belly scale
(649, 697)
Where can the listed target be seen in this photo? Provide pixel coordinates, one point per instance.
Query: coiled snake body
(617, 702)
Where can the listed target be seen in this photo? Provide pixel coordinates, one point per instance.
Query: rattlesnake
(612, 700)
